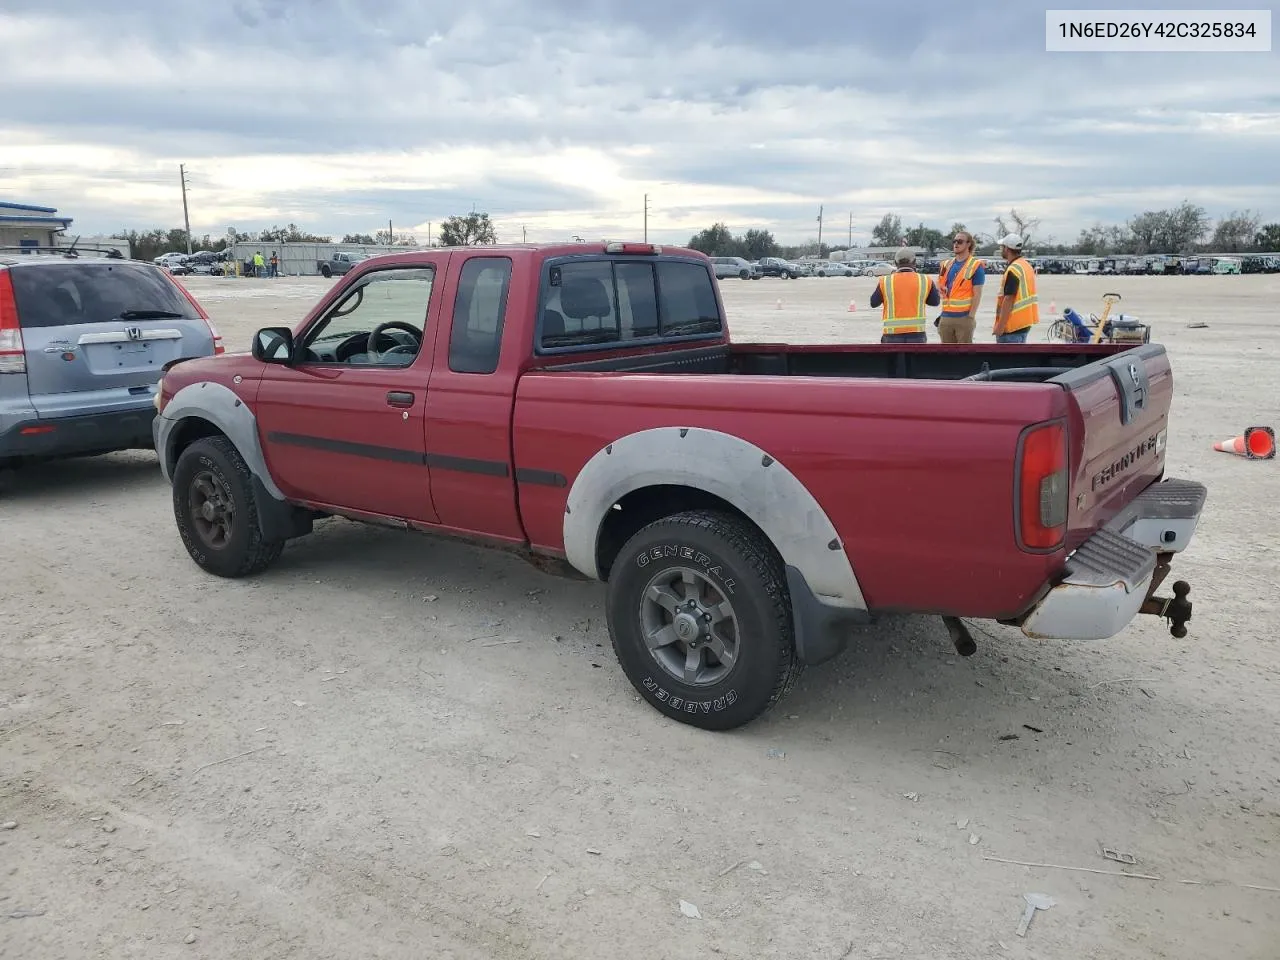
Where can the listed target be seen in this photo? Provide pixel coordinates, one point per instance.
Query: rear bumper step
(1164, 516)
(1110, 578)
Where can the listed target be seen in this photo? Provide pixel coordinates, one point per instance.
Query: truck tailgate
(1119, 413)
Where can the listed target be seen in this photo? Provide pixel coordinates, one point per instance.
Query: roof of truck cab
(567, 248)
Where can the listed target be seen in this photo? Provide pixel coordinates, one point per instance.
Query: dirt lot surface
(351, 756)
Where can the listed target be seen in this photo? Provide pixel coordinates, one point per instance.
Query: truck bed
(902, 446)
(925, 361)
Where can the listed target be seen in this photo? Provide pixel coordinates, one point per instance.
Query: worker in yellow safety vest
(1017, 306)
(960, 279)
(902, 297)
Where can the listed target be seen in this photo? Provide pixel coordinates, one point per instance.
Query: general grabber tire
(700, 618)
(216, 512)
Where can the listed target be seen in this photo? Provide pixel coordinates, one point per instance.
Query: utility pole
(391, 237)
(851, 231)
(819, 231)
(524, 233)
(186, 217)
(646, 218)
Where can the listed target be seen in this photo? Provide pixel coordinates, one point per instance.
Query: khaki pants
(957, 329)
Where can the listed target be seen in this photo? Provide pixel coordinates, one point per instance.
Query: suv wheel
(700, 619)
(326, 272)
(216, 513)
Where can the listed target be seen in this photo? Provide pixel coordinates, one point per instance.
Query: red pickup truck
(583, 405)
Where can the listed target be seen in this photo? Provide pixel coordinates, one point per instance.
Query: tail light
(1042, 486)
(195, 305)
(620, 246)
(13, 357)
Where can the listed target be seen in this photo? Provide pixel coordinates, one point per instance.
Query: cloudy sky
(557, 117)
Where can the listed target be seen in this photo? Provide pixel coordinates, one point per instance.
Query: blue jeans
(1018, 336)
(903, 338)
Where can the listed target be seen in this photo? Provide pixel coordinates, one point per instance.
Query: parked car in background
(83, 342)
(1260, 264)
(731, 267)
(1226, 265)
(339, 263)
(171, 260)
(777, 267)
(832, 268)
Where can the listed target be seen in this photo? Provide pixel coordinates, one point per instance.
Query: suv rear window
(62, 294)
(604, 302)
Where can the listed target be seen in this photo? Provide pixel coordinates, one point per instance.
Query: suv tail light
(13, 357)
(195, 305)
(1041, 511)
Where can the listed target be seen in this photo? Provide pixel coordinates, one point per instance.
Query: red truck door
(472, 391)
(344, 424)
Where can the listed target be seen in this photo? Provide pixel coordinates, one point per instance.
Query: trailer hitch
(1175, 609)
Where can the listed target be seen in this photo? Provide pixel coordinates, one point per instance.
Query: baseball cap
(1011, 240)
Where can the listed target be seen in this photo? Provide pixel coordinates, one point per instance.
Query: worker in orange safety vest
(1018, 305)
(902, 297)
(961, 279)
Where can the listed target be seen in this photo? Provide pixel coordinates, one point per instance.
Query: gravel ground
(388, 746)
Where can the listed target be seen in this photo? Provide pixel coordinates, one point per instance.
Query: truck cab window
(591, 302)
(381, 320)
(688, 300)
(475, 339)
(579, 307)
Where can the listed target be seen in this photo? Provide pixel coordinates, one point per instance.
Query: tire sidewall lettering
(682, 551)
(662, 695)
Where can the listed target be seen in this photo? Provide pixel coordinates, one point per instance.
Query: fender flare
(731, 468)
(220, 406)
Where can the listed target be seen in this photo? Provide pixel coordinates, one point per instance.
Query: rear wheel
(326, 272)
(700, 618)
(216, 512)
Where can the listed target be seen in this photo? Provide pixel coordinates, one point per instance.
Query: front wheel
(700, 618)
(216, 512)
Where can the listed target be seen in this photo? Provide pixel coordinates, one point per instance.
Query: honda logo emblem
(133, 333)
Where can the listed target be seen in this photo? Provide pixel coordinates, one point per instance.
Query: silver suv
(83, 342)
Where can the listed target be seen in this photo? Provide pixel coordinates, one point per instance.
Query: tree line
(1184, 229)
(474, 228)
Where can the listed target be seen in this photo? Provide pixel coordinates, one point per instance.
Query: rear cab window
(66, 294)
(595, 302)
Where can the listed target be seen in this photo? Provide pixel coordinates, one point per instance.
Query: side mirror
(273, 345)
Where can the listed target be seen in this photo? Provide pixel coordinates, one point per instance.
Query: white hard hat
(1011, 240)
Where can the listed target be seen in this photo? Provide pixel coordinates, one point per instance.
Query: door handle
(400, 398)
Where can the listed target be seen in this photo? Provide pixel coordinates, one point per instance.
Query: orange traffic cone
(1053, 307)
(853, 307)
(1256, 443)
